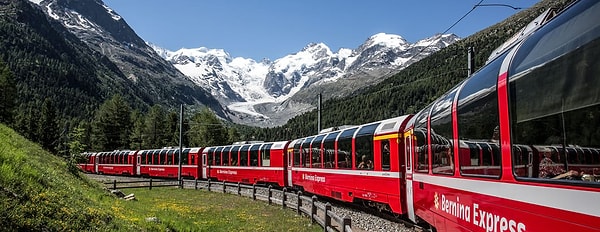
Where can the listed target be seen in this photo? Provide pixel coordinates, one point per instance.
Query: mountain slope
(49, 62)
(108, 35)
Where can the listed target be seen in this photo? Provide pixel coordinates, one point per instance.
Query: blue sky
(271, 29)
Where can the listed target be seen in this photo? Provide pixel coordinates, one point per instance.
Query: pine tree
(112, 125)
(8, 94)
(77, 144)
(207, 130)
(155, 128)
(173, 128)
(137, 132)
(48, 130)
(233, 135)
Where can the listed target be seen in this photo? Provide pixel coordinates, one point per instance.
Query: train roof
(523, 33)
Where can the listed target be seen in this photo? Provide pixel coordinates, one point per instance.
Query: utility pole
(319, 115)
(470, 61)
(180, 145)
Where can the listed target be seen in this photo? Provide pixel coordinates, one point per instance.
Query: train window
(155, 154)
(163, 157)
(225, 156)
(421, 156)
(185, 153)
(385, 155)
(254, 155)
(564, 34)
(364, 147)
(558, 120)
(234, 155)
(441, 134)
(143, 157)
(176, 157)
(316, 161)
(305, 153)
(297, 151)
(119, 158)
(148, 157)
(218, 159)
(210, 156)
(344, 147)
(329, 150)
(244, 155)
(265, 155)
(170, 157)
(478, 122)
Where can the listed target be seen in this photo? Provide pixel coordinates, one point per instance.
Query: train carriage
(531, 111)
(165, 163)
(115, 162)
(357, 164)
(256, 163)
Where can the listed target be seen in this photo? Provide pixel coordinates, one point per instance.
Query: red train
(515, 147)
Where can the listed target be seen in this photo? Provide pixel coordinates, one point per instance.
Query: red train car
(165, 163)
(357, 164)
(257, 163)
(115, 162)
(515, 146)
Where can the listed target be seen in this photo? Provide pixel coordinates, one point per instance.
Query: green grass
(41, 192)
(194, 210)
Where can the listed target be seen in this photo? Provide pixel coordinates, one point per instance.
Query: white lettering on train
(315, 178)
(488, 221)
(227, 172)
(455, 208)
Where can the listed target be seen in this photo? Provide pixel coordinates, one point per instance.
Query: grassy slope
(41, 192)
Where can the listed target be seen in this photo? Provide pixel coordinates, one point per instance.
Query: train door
(408, 144)
(204, 166)
(96, 161)
(138, 164)
(289, 158)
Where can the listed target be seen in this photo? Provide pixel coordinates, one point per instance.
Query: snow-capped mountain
(245, 82)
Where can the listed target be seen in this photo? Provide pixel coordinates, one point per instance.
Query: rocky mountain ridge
(271, 92)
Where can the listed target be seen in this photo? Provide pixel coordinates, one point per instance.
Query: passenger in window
(549, 169)
(365, 164)
(346, 163)
(496, 135)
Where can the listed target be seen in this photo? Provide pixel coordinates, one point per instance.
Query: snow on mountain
(228, 79)
(240, 83)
